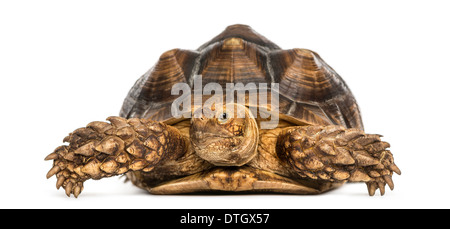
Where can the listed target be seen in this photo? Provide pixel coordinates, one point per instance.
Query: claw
(60, 181)
(381, 187)
(67, 138)
(389, 181)
(51, 156)
(371, 187)
(68, 188)
(394, 168)
(53, 171)
(76, 191)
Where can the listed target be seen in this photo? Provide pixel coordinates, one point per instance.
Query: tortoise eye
(223, 118)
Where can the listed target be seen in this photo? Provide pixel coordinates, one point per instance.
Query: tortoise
(315, 143)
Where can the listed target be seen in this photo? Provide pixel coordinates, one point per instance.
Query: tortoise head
(224, 136)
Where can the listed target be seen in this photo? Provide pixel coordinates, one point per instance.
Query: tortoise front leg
(104, 149)
(333, 153)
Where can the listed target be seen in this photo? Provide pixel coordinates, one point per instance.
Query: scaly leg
(104, 149)
(333, 153)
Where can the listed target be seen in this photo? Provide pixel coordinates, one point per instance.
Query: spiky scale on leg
(334, 153)
(104, 149)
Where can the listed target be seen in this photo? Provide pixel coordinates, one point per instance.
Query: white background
(66, 63)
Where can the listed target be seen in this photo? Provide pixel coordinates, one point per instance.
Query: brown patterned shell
(310, 91)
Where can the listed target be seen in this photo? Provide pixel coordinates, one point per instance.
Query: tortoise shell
(309, 90)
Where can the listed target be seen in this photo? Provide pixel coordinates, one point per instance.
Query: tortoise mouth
(239, 179)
